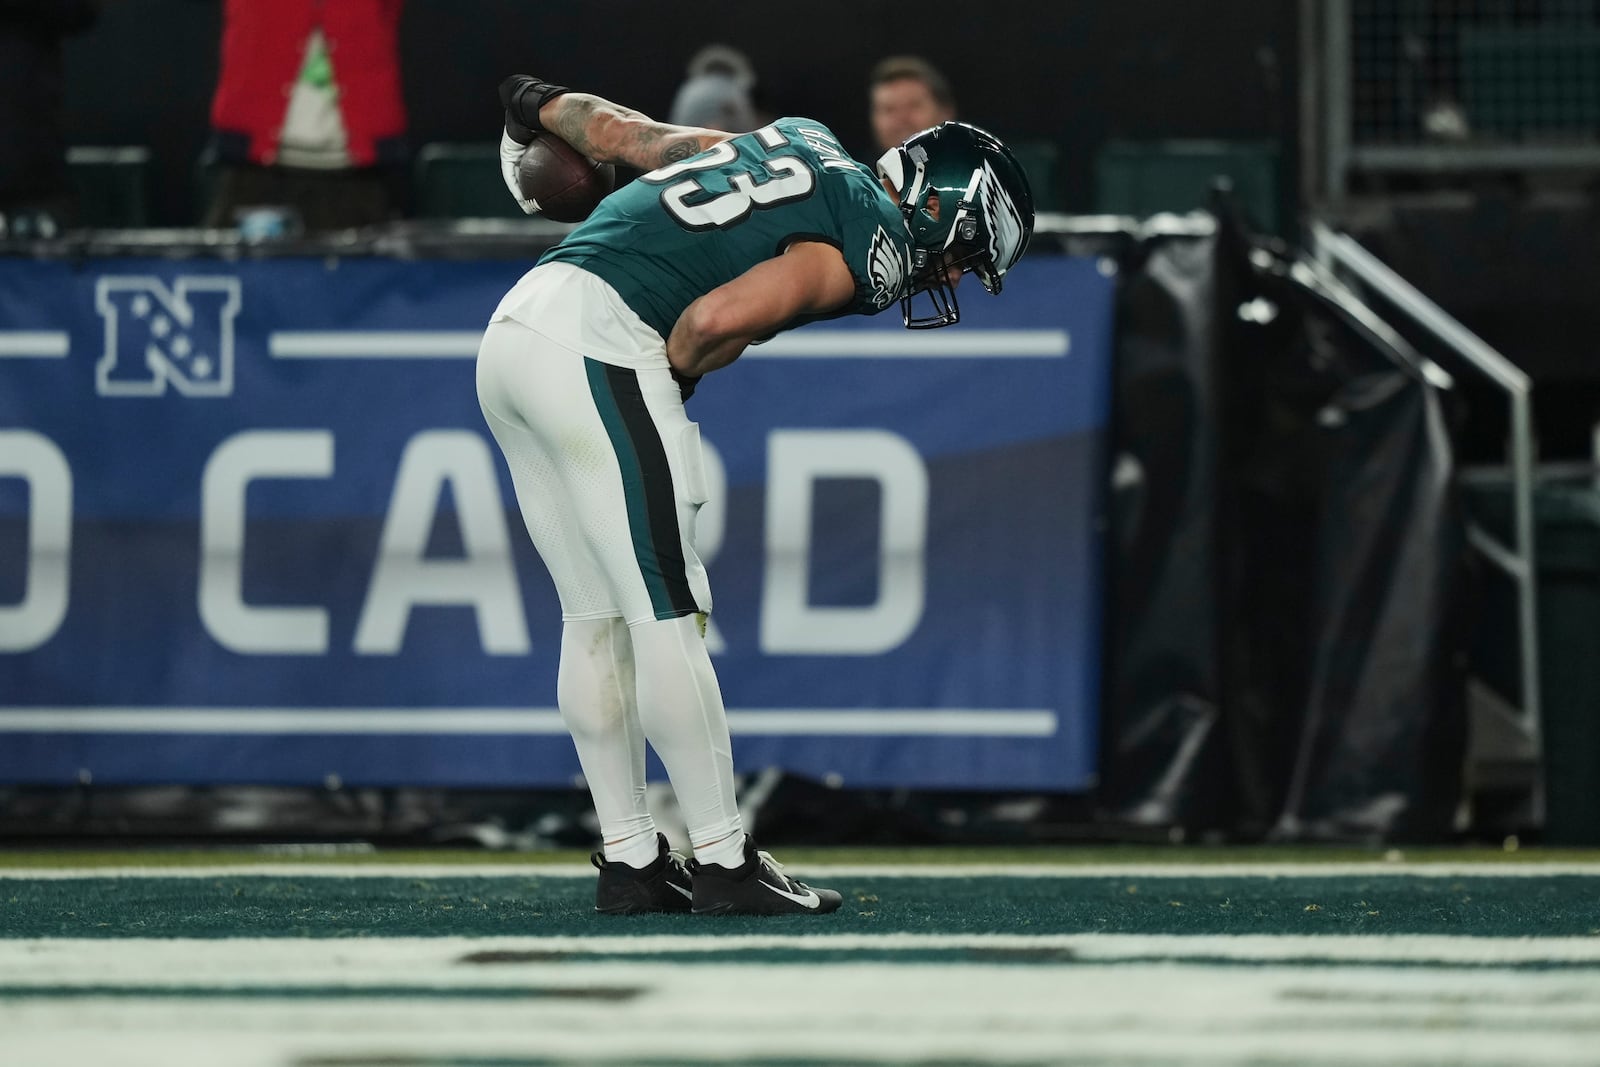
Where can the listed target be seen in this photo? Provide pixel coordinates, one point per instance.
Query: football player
(582, 375)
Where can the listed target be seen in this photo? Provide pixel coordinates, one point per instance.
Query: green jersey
(681, 231)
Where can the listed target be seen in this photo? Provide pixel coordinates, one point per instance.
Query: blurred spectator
(717, 92)
(35, 196)
(908, 95)
(308, 113)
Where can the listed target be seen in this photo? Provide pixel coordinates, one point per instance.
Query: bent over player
(582, 376)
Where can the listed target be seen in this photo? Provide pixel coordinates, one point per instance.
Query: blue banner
(252, 529)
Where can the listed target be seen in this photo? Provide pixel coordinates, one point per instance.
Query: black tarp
(1283, 657)
(1163, 679)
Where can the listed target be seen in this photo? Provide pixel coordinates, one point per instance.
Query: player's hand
(686, 384)
(522, 95)
(511, 149)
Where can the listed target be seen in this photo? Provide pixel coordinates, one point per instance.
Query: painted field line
(1279, 869)
(847, 344)
(146, 1034)
(798, 722)
(859, 1014)
(33, 344)
(183, 961)
(933, 871)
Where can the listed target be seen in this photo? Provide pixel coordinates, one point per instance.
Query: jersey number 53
(782, 180)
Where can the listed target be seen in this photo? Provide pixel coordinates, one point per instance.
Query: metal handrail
(1517, 560)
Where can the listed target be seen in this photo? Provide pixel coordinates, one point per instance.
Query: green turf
(529, 905)
(799, 857)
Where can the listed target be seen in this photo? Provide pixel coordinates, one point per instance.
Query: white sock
(640, 850)
(595, 690)
(729, 852)
(680, 708)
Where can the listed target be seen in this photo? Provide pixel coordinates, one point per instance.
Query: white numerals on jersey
(788, 179)
(716, 156)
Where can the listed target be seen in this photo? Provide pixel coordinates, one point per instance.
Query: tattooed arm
(611, 133)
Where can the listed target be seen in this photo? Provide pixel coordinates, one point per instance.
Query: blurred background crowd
(177, 112)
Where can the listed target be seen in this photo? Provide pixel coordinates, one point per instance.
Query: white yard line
(438, 962)
(1131, 871)
(854, 1012)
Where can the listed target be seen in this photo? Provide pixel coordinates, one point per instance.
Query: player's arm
(601, 130)
(611, 133)
(809, 279)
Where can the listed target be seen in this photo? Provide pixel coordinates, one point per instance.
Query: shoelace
(776, 868)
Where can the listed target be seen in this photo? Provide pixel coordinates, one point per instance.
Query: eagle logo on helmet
(1005, 224)
(887, 266)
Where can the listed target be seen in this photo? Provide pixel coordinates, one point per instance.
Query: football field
(1025, 957)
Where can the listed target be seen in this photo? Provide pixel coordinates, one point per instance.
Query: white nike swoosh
(675, 887)
(808, 899)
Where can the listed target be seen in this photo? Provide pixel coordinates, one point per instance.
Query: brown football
(565, 183)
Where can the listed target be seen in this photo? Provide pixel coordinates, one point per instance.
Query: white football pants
(609, 478)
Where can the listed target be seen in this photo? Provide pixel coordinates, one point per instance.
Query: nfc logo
(155, 335)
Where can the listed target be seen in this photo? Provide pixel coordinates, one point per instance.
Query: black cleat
(624, 890)
(756, 887)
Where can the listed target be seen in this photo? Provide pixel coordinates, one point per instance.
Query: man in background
(909, 95)
(308, 112)
(35, 196)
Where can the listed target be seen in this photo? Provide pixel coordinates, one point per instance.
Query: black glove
(522, 96)
(686, 384)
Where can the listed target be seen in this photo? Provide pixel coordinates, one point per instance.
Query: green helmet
(985, 213)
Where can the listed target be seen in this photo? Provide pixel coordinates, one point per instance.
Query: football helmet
(985, 213)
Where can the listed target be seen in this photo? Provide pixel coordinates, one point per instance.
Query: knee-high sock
(595, 690)
(680, 707)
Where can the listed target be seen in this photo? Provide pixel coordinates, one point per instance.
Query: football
(566, 184)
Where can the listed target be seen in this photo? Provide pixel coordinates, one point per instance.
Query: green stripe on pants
(647, 486)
